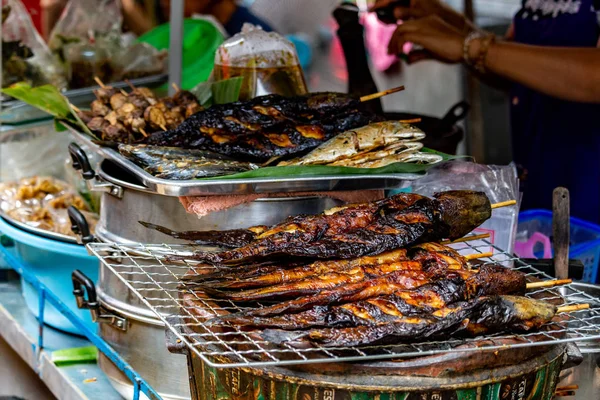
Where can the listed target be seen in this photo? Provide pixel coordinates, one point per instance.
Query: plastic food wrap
(139, 60)
(42, 202)
(499, 182)
(267, 61)
(25, 56)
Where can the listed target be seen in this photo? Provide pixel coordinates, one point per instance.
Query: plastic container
(52, 262)
(536, 225)
(200, 41)
(267, 61)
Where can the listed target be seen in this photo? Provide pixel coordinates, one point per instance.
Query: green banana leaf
(75, 355)
(47, 98)
(320, 170)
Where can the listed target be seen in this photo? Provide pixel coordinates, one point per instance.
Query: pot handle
(81, 161)
(81, 281)
(79, 225)
(573, 356)
(457, 113)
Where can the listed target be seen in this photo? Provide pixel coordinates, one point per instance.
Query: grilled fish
(481, 315)
(363, 229)
(359, 141)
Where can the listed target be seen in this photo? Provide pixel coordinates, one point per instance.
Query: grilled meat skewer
(482, 315)
(364, 229)
(486, 281)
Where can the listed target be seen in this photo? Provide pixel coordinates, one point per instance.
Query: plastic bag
(25, 56)
(42, 202)
(139, 60)
(266, 60)
(499, 182)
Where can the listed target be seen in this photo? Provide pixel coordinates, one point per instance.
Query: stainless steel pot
(587, 374)
(125, 322)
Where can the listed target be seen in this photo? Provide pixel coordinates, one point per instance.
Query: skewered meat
(482, 315)
(488, 280)
(364, 229)
(422, 300)
(104, 94)
(117, 100)
(98, 108)
(267, 126)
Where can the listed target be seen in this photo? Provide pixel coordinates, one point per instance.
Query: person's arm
(568, 73)
(135, 17)
(51, 10)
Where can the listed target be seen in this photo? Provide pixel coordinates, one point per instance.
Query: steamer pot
(125, 322)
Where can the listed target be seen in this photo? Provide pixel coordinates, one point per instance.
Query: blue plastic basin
(52, 262)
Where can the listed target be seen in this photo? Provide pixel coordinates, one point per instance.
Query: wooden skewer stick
(504, 204)
(128, 82)
(467, 238)
(124, 93)
(381, 94)
(99, 82)
(410, 121)
(478, 255)
(75, 108)
(163, 127)
(177, 89)
(568, 387)
(568, 393)
(143, 132)
(574, 307)
(544, 284)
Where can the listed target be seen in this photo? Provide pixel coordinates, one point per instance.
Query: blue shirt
(557, 142)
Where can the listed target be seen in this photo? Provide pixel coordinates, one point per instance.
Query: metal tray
(201, 187)
(37, 231)
(16, 111)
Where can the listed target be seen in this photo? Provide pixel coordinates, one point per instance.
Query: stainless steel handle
(94, 183)
(83, 285)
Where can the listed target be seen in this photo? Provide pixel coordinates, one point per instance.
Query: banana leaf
(320, 170)
(75, 355)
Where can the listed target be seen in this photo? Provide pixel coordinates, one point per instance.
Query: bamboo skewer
(177, 89)
(75, 108)
(567, 393)
(410, 121)
(143, 132)
(478, 255)
(163, 127)
(574, 307)
(568, 387)
(130, 84)
(99, 82)
(504, 204)
(380, 94)
(466, 238)
(545, 284)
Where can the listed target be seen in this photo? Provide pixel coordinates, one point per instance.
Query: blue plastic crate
(584, 239)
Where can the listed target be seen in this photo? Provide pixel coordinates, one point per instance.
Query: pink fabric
(377, 37)
(203, 205)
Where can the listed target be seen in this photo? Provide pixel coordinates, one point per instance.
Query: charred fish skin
(267, 126)
(461, 210)
(494, 314)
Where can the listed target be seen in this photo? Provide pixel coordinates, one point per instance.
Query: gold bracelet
(483, 51)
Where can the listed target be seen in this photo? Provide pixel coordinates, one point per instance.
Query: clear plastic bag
(42, 202)
(499, 182)
(139, 60)
(266, 60)
(25, 55)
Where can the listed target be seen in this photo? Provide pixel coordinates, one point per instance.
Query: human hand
(438, 39)
(416, 8)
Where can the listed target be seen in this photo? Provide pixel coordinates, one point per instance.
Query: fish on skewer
(482, 315)
(426, 256)
(363, 229)
(358, 141)
(422, 300)
(487, 280)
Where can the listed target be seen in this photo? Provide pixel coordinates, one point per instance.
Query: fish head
(463, 210)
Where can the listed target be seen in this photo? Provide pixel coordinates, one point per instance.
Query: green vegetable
(47, 98)
(219, 92)
(75, 355)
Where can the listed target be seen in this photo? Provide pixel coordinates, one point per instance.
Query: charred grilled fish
(478, 316)
(267, 126)
(364, 229)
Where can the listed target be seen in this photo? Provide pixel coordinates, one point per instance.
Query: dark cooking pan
(443, 134)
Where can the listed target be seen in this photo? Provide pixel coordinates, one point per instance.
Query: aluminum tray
(37, 231)
(200, 187)
(16, 112)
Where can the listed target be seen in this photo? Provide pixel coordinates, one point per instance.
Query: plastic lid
(253, 47)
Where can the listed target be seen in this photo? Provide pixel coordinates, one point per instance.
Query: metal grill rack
(144, 269)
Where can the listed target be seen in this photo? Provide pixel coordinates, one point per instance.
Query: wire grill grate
(145, 271)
